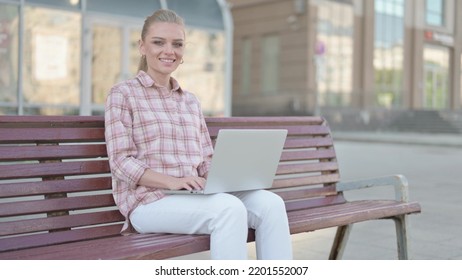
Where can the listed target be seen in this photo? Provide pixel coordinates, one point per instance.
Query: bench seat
(56, 201)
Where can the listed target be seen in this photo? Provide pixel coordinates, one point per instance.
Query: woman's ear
(141, 47)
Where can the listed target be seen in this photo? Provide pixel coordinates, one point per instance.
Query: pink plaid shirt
(148, 126)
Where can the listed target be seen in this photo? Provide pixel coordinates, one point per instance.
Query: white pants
(226, 217)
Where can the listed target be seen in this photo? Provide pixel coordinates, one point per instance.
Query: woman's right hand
(188, 183)
(159, 180)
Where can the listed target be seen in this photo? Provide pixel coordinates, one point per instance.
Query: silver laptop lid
(245, 159)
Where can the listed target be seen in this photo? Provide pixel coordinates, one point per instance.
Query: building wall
(62, 57)
(380, 81)
(253, 20)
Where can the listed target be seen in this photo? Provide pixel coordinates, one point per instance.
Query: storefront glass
(436, 77)
(52, 51)
(334, 53)
(388, 53)
(9, 22)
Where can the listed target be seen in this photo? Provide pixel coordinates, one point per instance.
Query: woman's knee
(230, 205)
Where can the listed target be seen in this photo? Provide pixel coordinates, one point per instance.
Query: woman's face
(163, 47)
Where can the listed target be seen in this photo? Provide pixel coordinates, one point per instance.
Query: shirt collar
(147, 81)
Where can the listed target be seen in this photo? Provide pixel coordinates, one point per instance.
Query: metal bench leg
(401, 236)
(340, 241)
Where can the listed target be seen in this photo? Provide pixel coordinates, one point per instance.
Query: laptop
(244, 159)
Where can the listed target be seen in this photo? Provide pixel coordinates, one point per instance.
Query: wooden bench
(56, 201)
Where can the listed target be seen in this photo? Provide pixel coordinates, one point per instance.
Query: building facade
(61, 57)
(360, 63)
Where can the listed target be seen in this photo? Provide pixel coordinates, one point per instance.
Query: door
(111, 56)
(436, 77)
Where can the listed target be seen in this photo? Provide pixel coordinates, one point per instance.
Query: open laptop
(244, 159)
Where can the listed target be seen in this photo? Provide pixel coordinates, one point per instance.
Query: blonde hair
(161, 15)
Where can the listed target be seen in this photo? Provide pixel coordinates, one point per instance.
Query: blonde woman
(157, 139)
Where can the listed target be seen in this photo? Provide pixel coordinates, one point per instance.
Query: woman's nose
(168, 48)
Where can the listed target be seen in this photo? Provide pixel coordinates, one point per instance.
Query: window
(436, 75)
(246, 63)
(270, 64)
(203, 69)
(9, 15)
(388, 52)
(51, 76)
(334, 53)
(435, 12)
(106, 61)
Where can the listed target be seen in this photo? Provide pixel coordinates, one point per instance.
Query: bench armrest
(399, 182)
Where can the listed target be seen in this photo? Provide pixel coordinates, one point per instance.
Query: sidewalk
(430, 162)
(441, 140)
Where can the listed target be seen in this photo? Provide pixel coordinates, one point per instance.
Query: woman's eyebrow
(161, 38)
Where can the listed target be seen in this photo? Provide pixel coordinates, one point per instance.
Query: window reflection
(106, 60)
(388, 52)
(246, 66)
(436, 75)
(51, 76)
(334, 53)
(8, 58)
(435, 12)
(203, 69)
(270, 64)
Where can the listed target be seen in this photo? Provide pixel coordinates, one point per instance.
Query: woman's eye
(178, 45)
(158, 43)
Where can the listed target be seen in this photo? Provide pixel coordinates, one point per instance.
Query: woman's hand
(188, 183)
(159, 180)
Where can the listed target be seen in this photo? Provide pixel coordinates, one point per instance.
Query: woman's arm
(151, 178)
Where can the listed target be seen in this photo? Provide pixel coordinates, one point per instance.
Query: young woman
(157, 139)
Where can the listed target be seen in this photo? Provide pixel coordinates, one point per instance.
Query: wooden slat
(59, 222)
(296, 168)
(304, 193)
(57, 204)
(54, 186)
(348, 213)
(33, 170)
(306, 181)
(316, 142)
(16, 153)
(50, 135)
(59, 237)
(308, 155)
(292, 130)
(51, 121)
(314, 203)
(267, 120)
(136, 246)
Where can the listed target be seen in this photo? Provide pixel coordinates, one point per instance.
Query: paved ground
(433, 166)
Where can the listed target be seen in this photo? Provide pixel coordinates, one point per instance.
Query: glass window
(388, 52)
(270, 64)
(72, 4)
(136, 9)
(51, 72)
(134, 53)
(203, 13)
(435, 12)
(436, 77)
(9, 20)
(334, 53)
(106, 60)
(203, 70)
(246, 63)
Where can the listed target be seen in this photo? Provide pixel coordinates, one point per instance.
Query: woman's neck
(163, 80)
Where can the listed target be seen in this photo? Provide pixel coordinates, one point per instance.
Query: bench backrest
(55, 184)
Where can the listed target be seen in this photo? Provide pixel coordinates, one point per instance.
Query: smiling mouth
(168, 60)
